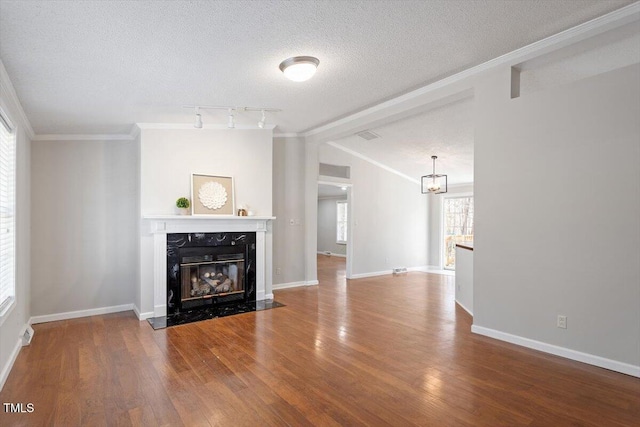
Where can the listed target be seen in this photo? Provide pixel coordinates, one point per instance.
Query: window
(341, 222)
(458, 227)
(7, 213)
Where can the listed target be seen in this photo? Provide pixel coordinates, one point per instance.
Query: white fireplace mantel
(161, 225)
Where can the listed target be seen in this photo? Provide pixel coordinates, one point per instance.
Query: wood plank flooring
(382, 351)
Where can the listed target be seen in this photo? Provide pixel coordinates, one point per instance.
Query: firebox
(210, 269)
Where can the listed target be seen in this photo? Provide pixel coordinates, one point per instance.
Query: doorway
(334, 223)
(457, 227)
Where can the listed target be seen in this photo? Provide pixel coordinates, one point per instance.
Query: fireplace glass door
(209, 278)
(207, 273)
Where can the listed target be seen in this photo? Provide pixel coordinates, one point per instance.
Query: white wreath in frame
(212, 195)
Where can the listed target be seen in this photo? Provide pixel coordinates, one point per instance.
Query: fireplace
(207, 270)
(160, 263)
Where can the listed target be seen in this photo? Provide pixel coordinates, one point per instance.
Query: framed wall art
(212, 195)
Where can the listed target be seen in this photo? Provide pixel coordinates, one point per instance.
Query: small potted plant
(183, 205)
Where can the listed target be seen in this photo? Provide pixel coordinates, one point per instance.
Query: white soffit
(614, 49)
(556, 47)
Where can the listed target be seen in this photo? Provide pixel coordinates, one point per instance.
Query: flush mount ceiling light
(299, 68)
(231, 111)
(434, 183)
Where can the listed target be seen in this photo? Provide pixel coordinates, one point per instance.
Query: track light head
(231, 123)
(231, 111)
(198, 122)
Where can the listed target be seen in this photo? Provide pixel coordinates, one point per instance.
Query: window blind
(7, 212)
(341, 222)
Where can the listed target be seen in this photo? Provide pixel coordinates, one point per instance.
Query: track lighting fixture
(231, 111)
(198, 123)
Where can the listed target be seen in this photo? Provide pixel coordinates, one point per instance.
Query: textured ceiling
(407, 145)
(83, 67)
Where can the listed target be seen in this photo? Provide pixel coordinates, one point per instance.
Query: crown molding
(373, 162)
(8, 88)
(288, 135)
(84, 137)
(599, 25)
(131, 136)
(135, 131)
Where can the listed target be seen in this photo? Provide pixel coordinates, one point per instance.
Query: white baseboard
(311, 282)
(464, 308)
(332, 254)
(159, 310)
(4, 374)
(142, 316)
(590, 359)
(372, 274)
(262, 295)
(288, 285)
(80, 313)
(293, 285)
(421, 268)
(434, 269)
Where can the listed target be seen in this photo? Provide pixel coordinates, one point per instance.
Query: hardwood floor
(379, 351)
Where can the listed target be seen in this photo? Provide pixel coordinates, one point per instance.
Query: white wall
(311, 174)
(138, 297)
(15, 321)
(84, 226)
(167, 159)
(327, 226)
(288, 204)
(557, 186)
(464, 278)
(390, 216)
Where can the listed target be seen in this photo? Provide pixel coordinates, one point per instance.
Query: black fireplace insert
(207, 270)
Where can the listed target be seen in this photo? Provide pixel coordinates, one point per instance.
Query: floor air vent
(27, 335)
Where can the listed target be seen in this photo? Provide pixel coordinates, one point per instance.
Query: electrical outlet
(562, 322)
(278, 271)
